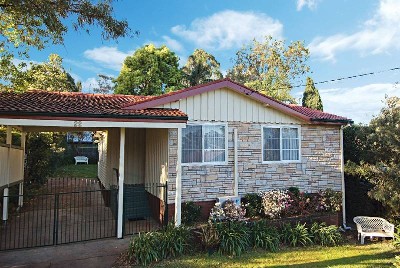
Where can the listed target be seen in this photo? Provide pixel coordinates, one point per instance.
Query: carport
(38, 111)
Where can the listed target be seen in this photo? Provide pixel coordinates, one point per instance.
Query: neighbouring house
(208, 141)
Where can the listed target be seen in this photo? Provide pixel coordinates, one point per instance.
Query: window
(281, 143)
(204, 144)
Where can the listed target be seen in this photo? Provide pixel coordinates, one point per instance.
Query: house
(208, 141)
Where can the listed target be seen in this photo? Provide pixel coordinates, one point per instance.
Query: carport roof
(79, 105)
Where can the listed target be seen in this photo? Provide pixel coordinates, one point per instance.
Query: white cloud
(311, 4)
(358, 103)
(89, 84)
(84, 65)
(379, 34)
(228, 29)
(108, 57)
(173, 44)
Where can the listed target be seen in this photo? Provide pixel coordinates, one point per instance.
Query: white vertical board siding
(11, 165)
(135, 146)
(16, 165)
(109, 151)
(102, 164)
(156, 160)
(3, 166)
(225, 105)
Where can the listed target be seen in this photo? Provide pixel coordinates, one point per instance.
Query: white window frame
(225, 124)
(280, 143)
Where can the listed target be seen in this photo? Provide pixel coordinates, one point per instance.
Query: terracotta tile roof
(316, 115)
(77, 104)
(299, 111)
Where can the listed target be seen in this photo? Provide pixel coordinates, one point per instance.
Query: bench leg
(362, 239)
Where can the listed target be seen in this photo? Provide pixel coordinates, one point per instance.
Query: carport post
(121, 183)
(21, 185)
(5, 192)
(178, 182)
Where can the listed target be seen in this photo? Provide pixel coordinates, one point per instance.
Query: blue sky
(345, 37)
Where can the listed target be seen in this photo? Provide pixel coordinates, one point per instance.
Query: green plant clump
(234, 238)
(209, 237)
(265, 236)
(174, 241)
(144, 248)
(150, 247)
(190, 212)
(325, 235)
(297, 235)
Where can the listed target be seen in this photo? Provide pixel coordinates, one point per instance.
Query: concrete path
(97, 253)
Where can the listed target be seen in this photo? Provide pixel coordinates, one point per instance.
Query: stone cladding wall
(318, 169)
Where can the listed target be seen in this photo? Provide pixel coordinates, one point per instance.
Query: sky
(345, 38)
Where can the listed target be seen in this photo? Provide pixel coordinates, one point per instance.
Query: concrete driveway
(97, 253)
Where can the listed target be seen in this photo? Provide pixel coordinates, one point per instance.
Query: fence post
(55, 223)
(166, 203)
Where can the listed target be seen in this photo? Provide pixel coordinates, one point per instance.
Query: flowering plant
(228, 211)
(329, 200)
(275, 202)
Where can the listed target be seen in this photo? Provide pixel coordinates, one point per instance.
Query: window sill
(282, 162)
(204, 164)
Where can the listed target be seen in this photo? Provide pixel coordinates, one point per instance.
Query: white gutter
(343, 183)
(236, 171)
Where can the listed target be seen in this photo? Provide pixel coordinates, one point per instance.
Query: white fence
(11, 165)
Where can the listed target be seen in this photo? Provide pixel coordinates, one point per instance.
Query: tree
(149, 71)
(49, 76)
(106, 85)
(79, 86)
(201, 67)
(381, 165)
(269, 67)
(311, 97)
(36, 23)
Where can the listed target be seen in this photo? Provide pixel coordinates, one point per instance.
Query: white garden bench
(373, 227)
(81, 159)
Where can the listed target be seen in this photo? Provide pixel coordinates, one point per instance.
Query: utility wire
(351, 77)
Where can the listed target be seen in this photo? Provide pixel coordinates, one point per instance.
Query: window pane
(214, 143)
(214, 155)
(290, 144)
(191, 144)
(271, 144)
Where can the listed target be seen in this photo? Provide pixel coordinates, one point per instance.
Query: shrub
(325, 235)
(228, 211)
(330, 200)
(234, 238)
(265, 236)
(296, 236)
(397, 261)
(275, 202)
(396, 240)
(190, 212)
(252, 203)
(144, 248)
(174, 241)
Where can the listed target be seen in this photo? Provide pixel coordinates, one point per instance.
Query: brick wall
(319, 167)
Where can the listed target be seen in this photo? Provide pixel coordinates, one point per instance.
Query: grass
(354, 255)
(77, 171)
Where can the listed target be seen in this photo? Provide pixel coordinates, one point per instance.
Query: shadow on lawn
(348, 260)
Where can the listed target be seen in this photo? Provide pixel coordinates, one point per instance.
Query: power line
(351, 77)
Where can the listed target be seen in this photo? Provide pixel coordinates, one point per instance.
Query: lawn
(376, 254)
(77, 171)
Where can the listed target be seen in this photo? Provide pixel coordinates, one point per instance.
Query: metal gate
(70, 210)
